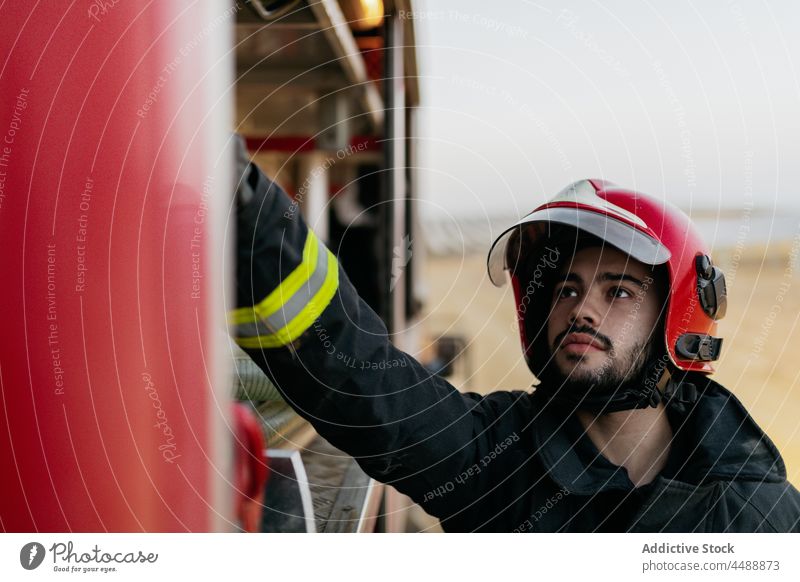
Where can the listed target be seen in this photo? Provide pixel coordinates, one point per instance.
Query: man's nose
(585, 312)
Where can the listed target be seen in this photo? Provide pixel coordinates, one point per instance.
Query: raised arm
(301, 320)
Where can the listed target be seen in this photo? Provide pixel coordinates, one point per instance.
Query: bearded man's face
(605, 308)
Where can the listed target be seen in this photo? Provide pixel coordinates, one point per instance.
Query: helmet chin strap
(654, 385)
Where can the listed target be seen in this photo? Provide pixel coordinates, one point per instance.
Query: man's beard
(618, 383)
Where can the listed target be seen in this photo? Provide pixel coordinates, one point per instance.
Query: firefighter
(617, 302)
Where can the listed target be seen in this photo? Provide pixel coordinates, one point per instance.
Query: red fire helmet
(649, 230)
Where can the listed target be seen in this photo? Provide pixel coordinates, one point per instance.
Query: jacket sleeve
(328, 353)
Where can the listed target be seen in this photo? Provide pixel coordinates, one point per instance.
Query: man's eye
(619, 292)
(566, 292)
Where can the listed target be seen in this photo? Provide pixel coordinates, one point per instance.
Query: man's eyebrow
(620, 277)
(574, 277)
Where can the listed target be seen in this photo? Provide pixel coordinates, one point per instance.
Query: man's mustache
(605, 340)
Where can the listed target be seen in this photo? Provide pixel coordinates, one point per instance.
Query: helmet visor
(511, 246)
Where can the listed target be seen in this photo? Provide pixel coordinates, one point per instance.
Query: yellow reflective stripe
(299, 324)
(283, 292)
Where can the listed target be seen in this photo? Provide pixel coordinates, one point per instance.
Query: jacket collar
(715, 440)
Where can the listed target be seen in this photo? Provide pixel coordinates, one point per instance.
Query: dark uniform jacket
(505, 462)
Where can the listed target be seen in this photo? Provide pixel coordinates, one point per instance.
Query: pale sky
(698, 102)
